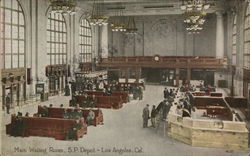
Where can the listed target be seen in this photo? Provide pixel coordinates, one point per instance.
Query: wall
(165, 36)
(239, 10)
(36, 14)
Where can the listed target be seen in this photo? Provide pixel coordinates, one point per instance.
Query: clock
(157, 58)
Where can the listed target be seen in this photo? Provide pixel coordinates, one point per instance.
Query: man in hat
(153, 115)
(145, 116)
(166, 109)
(165, 93)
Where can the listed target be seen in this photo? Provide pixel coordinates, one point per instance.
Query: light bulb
(206, 6)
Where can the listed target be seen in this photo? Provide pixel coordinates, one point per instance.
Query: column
(188, 75)
(219, 36)
(104, 41)
(138, 74)
(18, 94)
(95, 43)
(3, 97)
(126, 75)
(219, 43)
(177, 76)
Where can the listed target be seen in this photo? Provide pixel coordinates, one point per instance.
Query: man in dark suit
(165, 93)
(145, 116)
(8, 103)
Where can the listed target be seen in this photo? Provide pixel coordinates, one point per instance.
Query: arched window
(234, 55)
(85, 39)
(12, 28)
(247, 38)
(56, 39)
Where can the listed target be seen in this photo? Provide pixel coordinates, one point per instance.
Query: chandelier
(131, 27)
(63, 6)
(194, 14)
(118, 24)
(97, 17)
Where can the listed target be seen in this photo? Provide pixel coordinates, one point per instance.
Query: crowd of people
(83, 84)
(74, 113)
(184, 106)
(161, 110)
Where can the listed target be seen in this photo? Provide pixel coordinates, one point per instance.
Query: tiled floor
(122, 132)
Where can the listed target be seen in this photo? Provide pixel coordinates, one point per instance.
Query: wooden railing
(165, 61)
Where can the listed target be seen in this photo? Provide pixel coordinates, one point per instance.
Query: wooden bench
(214, 110)
(212, 94)
(124, 94)
(200, 94)
(102, 101)
(96, 93)
(128, 84)
(58, 113)
(214, 106)
(237, 102)
(47, 127)
(114, 102)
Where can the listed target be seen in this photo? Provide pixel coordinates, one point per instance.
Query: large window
(12, 29)
(234, 52)
(56, 40)
(247, 38)
(85, 39)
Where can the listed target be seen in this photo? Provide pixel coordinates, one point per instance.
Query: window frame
(85, 41)
(56, 39)
(14, 55)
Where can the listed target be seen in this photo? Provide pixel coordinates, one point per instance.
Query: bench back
(48, 123)
(58, 112)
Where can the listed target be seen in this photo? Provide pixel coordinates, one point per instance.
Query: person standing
(145, 116)
(166, 108)
(153, 115)
(90, 117)
(165, 93)
(8, 103)
(140, 92)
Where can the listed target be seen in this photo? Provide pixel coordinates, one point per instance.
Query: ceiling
(149, 7)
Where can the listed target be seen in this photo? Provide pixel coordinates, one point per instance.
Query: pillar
(138, 74)
(188, 75)
(177, 76)
(3, 97)
(104, 41)
(219, 35)
(219, 44)
(126, 75)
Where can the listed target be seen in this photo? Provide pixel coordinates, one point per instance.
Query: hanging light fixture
(131, 27)
(97, 17)
(118, 24)
(63, 6)
(194, 14)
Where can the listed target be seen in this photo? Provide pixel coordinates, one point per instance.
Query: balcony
(165, 62)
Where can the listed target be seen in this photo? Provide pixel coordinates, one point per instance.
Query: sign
(40, 88)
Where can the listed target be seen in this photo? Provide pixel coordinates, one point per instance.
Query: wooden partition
(208, 133)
